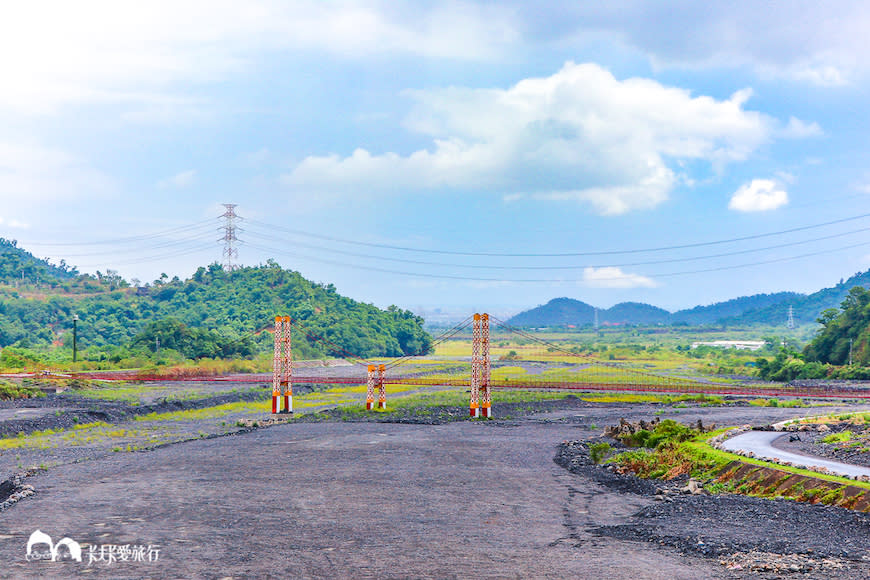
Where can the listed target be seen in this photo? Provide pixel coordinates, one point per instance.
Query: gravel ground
(420, 496)
(815, 540)
(854, 451)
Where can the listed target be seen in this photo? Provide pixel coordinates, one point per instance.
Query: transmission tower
(231, 254)
(790, 323)
(596, 319)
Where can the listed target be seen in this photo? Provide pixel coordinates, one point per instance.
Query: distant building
(738, 344)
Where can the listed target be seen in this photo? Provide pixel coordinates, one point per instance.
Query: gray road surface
(760, 443)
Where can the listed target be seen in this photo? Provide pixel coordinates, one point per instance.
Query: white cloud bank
(580, 134)
(179, 180)
(31, 174)
(820, 43)
(57, 53)
(758, 195)
(613, 277)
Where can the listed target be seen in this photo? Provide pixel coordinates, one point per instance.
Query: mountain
(232, 306)
(733, 308)
(634, 313)
(19, 265)
(570, 312)
(556, 312)
(755, 309)
(806, 308)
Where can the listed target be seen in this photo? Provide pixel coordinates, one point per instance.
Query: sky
(452, 156)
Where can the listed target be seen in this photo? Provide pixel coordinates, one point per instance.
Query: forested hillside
(556, 312)
(845, 336)
(214, 313)
(736, 307)
(20, 266)
(758, 308)
(806, 307)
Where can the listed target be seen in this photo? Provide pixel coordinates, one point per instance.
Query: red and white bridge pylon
(481, 395)
(282, 367)
(376, 376)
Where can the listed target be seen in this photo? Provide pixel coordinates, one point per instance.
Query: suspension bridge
(566, 370)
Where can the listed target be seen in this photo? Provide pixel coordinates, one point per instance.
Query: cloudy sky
(453, 155)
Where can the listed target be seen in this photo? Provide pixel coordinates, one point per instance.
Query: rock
(659, 497)
(823, 428)
(793, 438)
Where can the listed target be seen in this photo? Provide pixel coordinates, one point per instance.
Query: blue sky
(385, 147)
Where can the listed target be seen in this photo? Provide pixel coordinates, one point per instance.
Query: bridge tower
(481, 397)
(485, 392)
(282, 367)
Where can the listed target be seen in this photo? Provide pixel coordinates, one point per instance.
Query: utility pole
(229, 239)
(157, 344)
(850, 352)
(75, 336)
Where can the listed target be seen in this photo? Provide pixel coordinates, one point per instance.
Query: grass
(787, 403)
(214, 412)
(841, 437)
(702, 399)
(82, 434)
(698, 459)
(10, 390)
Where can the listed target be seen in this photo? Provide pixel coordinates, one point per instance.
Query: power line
(564, 254)
(547, 280)
(575, 267)
(129, 239)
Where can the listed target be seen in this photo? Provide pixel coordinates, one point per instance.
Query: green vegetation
(845, 334)
(212, 314)
(9, 390)
(757, 309)
(677, 456)
(844, 339)
(790, 403)
(841, 437)
(668, 432)
(599, 451)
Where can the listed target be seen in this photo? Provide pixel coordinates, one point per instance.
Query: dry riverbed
(408, 494)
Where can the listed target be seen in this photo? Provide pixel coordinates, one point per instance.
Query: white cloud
(55, 53)
(31, 174)
(580, 134)
(810, 42)
(613, 277)
(14, 224)
(179, 180)
(758, 195)
(797, 129)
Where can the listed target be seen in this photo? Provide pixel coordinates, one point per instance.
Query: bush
(665, 433)
(599, 451)
(12, 391)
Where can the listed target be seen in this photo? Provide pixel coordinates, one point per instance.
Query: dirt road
(340, 499)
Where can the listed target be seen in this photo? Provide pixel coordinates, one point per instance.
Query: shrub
(599, 451)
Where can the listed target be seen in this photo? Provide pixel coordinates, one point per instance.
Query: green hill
(634, 313)
(734, 308)
(845, 335)
(806, 307)
(20, 266)
(755, 309)
(556, 312)
(570, 312)
(220, 311)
